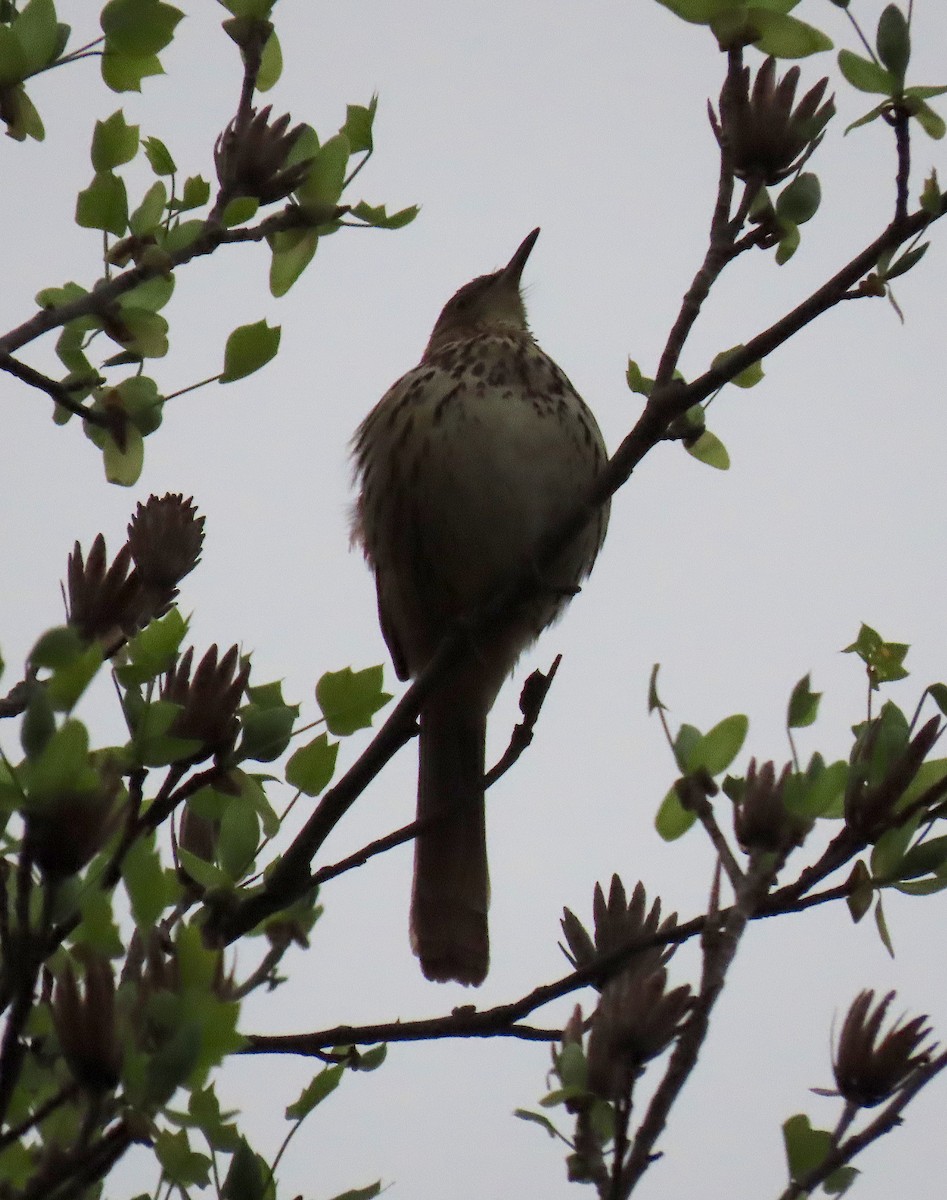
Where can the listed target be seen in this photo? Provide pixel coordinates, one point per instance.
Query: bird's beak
(514, 268)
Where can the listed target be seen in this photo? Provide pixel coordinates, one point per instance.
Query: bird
(462, 468)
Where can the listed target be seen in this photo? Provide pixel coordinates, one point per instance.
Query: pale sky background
(588, 120)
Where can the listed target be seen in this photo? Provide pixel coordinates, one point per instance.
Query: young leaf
(312, 766)
(158, 155)
(673, 820)
(248, 349)
(865, 75)
(349, 699)
(315, 1092)
(710, 450)
(293, 251)
(803, 705)
(717, 749)
(137, 28)
(113, 142)
(103, 204)
(894, 42)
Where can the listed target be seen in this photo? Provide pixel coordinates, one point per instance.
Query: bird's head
(487, 303)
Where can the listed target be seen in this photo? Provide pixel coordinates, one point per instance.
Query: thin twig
(721, 941)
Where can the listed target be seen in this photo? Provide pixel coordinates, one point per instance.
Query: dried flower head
(766, 138)
(636, 1019)
(209, 700)
(165, 537)
(761, 819)
(104, 603)
(84, 1021)
(618, 922)
(251, 157)
(868, 1071)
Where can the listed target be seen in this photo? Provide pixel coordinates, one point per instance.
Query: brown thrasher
(463, 466)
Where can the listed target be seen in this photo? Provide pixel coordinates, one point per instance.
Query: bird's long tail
(451, 892)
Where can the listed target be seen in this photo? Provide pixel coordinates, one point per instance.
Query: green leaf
(865, 75)
(63, 766)
(103, 204)
(207, 874)
(312, 766)
(788, 244)
(97, 928)
(154, 745)
(143, 333)
(366, 1193)
(536, 1118)
(931, 122)
(938, 693)
(884, 660)
(123, 464)
(141, 401)
(136, 28)
(379, 218)
(873, 115)
(673, 820)
(245, 1178)
(151, 889)
(58, 647)
(293, 251)
(358, 125)
(819, 791)
(271, 64)
(654, 700)
(786, 37)
(907, 260)
(248, 349)
(181, 1165)
(13, 61)
(239, 211)
(266, 731)
(710, 450)
(194, 194)
(181, 235)
(926, 858)
(113, 142)
(806, 1147)
(154, 650)
(894, 42)
(803, 705)
(148, 215)
(799, 201)
(124, 73)
(158, 155)
(39, 723)
(326, 178)
(888, 852)
(882, 926)
(69, 681)
(315, 1092)
(349, 699)
(636, 381)
(717, 749)
(239, 838)
(38, 32)
(22, 119)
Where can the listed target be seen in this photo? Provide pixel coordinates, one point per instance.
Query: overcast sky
(589, 121)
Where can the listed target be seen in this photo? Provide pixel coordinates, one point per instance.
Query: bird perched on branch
(463, 467)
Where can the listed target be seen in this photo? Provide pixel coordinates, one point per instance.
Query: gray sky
(589, 121)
